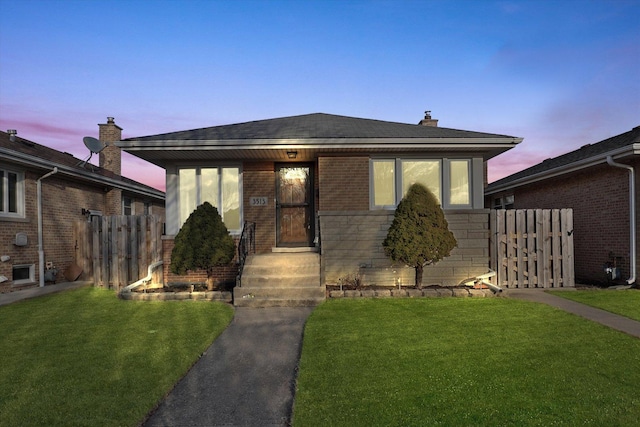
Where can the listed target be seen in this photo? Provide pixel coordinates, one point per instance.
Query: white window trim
(446, 184)
(131, 206)
(32, 274)
(20, 199)
(445, 181)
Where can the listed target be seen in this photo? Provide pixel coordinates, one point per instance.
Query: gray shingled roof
(33, 153)
(584, 153)
(315, 126)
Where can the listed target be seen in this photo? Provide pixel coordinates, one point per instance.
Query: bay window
(448, 179)
(220, 186)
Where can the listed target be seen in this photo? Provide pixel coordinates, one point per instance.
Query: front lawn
(455, 361)
(85, 357)
(623, 302)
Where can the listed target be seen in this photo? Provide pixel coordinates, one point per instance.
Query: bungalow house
(599, 182)
(327, 185)
(43, 191)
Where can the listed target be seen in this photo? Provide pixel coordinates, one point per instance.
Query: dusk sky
(560, 74)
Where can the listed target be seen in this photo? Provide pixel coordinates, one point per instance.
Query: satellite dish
(94, 146)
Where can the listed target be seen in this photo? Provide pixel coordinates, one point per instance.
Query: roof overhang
(619, 154)
(77, 173)
(165, 152)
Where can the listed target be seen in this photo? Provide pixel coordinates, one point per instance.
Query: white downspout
(632, 215)
(40, 245)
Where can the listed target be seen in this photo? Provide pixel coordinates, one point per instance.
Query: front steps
(280, 280)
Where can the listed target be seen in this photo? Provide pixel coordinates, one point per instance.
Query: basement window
(24, 274)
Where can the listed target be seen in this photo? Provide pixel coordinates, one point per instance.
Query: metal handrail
(246, 245)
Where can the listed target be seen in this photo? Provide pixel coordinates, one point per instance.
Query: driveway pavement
(246, 377)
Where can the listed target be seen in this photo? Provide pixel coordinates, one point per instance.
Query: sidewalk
(620, 323)
(11, 297)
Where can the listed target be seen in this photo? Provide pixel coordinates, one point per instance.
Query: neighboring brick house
(599, 194)
(330, 183)
(69, 190)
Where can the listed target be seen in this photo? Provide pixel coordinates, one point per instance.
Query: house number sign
(258, 201)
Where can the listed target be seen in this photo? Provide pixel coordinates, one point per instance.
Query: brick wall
(62, 202)
(259, 180)
(352, 243)
(599, 197)
(344, 183)
(110, 158)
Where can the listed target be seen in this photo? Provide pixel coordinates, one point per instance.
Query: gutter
(40, 243)
(82, 174)
(564, 169)
(632, 215)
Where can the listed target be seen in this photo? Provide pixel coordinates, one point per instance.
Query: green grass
(623, 302)
(85, 357)
(463, 362)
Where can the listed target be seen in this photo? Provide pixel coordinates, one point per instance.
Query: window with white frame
(23, 274)
(448, 179)
(127, 206)
(219, 186)
(11, 193)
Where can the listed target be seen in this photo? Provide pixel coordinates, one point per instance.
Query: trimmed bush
(419, 234)
(203, 243)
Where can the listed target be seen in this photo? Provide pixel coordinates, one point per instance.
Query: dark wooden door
(294, 205)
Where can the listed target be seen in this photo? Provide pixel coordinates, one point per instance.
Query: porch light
(292, 154)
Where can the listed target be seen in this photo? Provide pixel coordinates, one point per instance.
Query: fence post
(568, 273)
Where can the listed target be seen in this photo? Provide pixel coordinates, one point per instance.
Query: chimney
(428, 121)
(110, 157)
(12, 134)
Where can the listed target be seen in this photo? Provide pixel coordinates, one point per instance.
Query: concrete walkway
(620, 323)
(11, 297)
(246, 377)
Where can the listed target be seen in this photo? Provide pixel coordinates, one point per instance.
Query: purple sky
(560, 74)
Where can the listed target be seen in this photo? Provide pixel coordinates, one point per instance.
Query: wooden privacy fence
(532, 248)
(115, 251)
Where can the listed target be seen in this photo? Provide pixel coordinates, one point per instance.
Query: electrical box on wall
(21, 239)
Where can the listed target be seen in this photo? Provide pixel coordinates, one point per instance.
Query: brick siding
(259, 181)
(599, 197)
(344, 183)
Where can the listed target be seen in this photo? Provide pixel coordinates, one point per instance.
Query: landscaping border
(223, 296)
(412, 293)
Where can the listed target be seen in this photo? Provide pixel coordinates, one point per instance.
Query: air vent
(21, 239)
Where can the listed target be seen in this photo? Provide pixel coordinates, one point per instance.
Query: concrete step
(284, 259)
(271, 270)
(275, 302)
(280, 279)
(288, 293)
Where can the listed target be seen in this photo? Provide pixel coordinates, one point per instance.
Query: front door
(294, 205)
